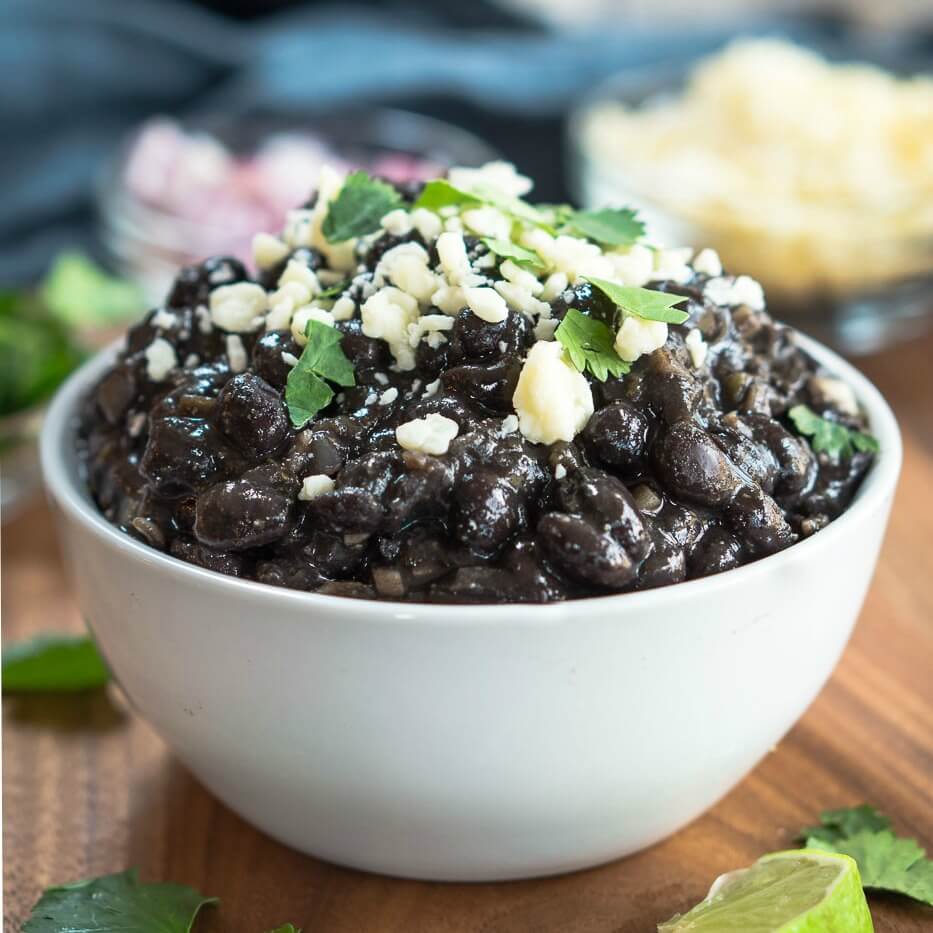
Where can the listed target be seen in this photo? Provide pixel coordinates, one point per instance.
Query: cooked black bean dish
(451, 395)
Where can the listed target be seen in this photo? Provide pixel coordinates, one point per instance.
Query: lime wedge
(787, 892)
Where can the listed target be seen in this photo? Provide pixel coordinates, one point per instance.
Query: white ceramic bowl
(470, 743)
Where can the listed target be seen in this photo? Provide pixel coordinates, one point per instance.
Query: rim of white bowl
(64, 485)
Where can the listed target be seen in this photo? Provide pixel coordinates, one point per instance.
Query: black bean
(617, 436)
(253, 415)
(692, 467)
(193, 284)
(488, 510)
(267, 356)
(242, 513)
(184, 455)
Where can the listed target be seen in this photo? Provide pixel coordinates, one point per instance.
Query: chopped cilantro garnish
(361, 203)
(441, 193)
(886, 862)
(588, 343)
(116, 902)
(506, 249)
(322, 361)
(607, 227)
(645, 303)
(334, 290)
(829, 436)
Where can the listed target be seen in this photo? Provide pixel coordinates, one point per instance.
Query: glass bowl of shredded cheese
(814, 177)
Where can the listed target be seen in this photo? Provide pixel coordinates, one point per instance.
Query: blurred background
(138, 136)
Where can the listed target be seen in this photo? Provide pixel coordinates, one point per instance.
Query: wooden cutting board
(88, 789)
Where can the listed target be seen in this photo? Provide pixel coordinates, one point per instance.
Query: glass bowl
(856, 293)
(177, 192)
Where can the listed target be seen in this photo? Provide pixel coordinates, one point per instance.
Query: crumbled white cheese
(487, 221)
(503, 346)
(486, 261)
(340, 256)
(452, 252)
(192, 360)
(568, 254)
(673, 264)
(498, 175)
(314, 486)
(451, 299)
(397, 222)
(431, 434)
(428, 324)
(406, 267)
(161, 359)
(297, 231)
(453, 225)
(381, 378)
(309, 313)
(552, 399)
(521, 277)
(328, 277)
(431, 388)
(696, 345)
(560, 471)
(268, 250)
(427, 223)
(386, 316)
(544, 329)
(280, 317)
(555, 283)
(289, 359)
(707, 262)
(837, 393)
(163, 320)
(344, 308)
(633, 267)
(636, 337)
(509, 425)
(371, 398)
(205, 325)
(389, 396)
(298, 272)
(521, 299)
(742, 290)
(236, 353)
(238, 308)
(487, 304)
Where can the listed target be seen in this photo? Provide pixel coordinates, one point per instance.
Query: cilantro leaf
(117, 904)
(886, 862)
(837, 824)
(440, 193)
(506, 249)
(830, 437)
(609, 227)
(322, 360)
(52, 664)
(589, 344)
(359, 206)
(335, 290)
(645, 303)
(286, 928)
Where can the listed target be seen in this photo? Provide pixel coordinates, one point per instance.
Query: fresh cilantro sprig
(506, 249)
(440, 193)
(286, 928)
(360, 205)
(333, 291)
(886, 862)
(610, 226)
(829, 436)
(645, 303)
(322, 361)
(53, 664)
(589, 344)
(117, 902)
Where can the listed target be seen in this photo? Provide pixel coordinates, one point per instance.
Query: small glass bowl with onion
(814, 177)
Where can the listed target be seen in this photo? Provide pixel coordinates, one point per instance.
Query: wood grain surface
(87, 787)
